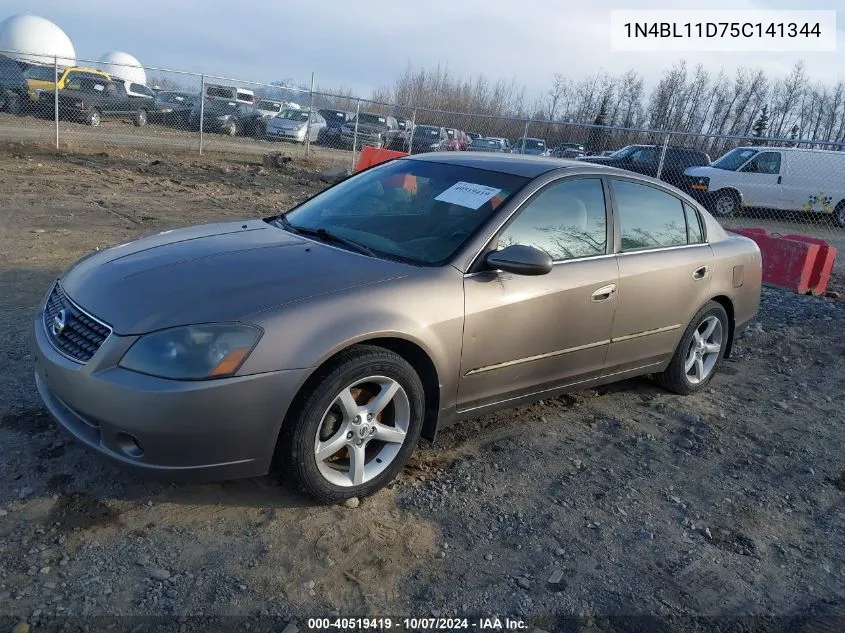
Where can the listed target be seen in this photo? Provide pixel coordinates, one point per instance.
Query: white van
(229, 93)
(786, 178)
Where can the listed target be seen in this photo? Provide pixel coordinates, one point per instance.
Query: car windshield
(294, 115)
(425, 130)
(416, 211)
(626, 151)
(333, 114)
(532, 143)
(734, 159)
(222, 106)
(485, 143)
(269, 106)
(372, 119)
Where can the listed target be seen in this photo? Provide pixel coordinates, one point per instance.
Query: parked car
(373, 129)
(227, 117)
(13, 87)
(43, 78)
(296, 125)
(506, 144)
(568, 150)
(335, 120)
(229, 93)
(458, 140)
(474, 135)
(486, 145)
(530, 146)
(172, 107)
(306, 340)
(428, 138)
(781, 178)
(143, 95)
(268, 108)
(90, 98)
(645, 159)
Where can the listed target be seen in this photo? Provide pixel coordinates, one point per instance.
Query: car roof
(514, 164)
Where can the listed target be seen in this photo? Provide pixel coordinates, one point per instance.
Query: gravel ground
(620, 501)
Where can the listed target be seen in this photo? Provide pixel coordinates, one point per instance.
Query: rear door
(525, 335)
(665, 268)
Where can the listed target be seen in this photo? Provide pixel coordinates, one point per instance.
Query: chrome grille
(74, 333)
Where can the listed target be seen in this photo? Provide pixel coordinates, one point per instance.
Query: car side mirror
(520, 260)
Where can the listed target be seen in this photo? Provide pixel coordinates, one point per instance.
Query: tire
(141, 118)
(702, 365)
(839, 215)
(14, 104)
(230, 130)
(93, 118)
(725, 204)
(320, 418)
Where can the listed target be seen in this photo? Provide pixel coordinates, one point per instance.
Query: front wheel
(93, 117)
(699, 353)
(140, 119)
(355, 429)
(725, 204)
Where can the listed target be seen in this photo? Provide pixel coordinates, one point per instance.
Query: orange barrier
(823, 266)
(371, 156)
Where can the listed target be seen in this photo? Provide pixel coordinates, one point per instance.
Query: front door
(524, 335)
(760, 181)
(665, 268)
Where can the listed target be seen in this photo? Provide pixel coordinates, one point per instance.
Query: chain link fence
(785, 185)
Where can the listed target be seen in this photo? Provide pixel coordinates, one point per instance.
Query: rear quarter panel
(737, 275)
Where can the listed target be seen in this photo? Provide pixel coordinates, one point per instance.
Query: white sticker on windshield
(467, 194)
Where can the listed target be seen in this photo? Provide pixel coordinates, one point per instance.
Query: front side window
(416, 211)
(644, 155)
(734, 159)
(764, 163)
(566, 220)
(648, 217)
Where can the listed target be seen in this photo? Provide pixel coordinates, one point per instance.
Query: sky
(370, 43)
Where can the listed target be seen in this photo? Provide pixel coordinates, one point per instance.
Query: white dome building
(35, 40)
(124, 66)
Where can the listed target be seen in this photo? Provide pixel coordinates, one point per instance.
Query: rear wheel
(725, 204)
(839, 214)
(354, 430)
(699, 353)
(14, 104)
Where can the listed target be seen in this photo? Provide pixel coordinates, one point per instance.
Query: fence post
(411, 135)
(355, 135)
(310, 114)
(525, 134)
(662, 156)
(55, 96)
(202, 106)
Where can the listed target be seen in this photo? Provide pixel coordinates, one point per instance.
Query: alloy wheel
(704, 348)
(362, 431)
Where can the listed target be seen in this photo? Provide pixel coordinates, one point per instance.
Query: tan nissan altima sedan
(422, 291)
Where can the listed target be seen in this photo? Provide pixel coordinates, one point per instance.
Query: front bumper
(177, 430)
(286, 133)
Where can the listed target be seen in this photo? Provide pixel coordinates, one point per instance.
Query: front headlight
(223, 118)
(193, 352)
(299, 128)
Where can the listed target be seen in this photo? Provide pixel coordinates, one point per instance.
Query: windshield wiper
(323, 234)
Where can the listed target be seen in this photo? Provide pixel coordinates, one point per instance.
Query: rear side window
(648, 217)
(567, 220)
(695, 231)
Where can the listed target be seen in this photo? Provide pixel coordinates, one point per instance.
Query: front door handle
(604, 293)
(779, 179)
(700, 273)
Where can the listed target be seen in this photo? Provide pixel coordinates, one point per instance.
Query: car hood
(285, 124)
(214, 272)
(369, 129)
(702, 170)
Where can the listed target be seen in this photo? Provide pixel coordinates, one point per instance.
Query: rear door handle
(700, 273)
(604, 293)
(779, 179)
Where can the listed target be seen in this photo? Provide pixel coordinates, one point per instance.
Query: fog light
(128, 444)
